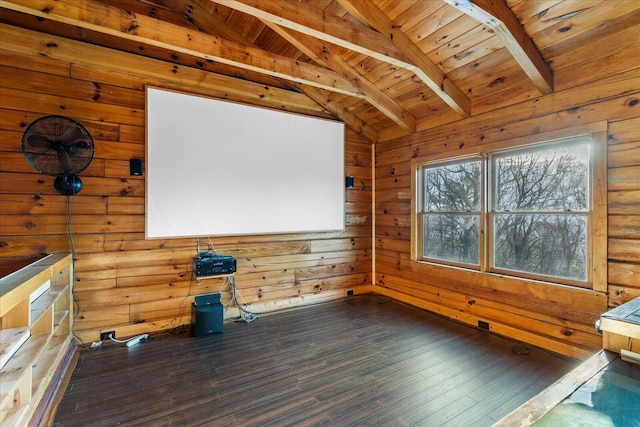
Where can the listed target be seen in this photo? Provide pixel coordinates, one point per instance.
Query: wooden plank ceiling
(385, 67)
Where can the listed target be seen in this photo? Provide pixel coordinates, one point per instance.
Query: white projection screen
(217, 168)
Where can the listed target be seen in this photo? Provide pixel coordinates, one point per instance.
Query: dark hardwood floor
(366, 362)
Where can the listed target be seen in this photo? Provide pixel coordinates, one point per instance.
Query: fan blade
(70, 135)
(40, 141)
(65, 162)
(83, 144)
(80, 144)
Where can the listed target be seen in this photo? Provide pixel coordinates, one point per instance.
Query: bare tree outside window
(537, 212)
(541, 209)
(452, 208)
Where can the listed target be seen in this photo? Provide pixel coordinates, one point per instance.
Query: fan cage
(57, 146)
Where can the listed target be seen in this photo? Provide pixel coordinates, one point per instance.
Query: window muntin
(451, 210)
(541, 211)
(537, 218)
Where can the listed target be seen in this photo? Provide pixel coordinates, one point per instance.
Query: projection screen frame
(194, 190)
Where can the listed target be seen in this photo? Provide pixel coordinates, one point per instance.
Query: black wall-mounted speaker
(349, 182)
(135, 167)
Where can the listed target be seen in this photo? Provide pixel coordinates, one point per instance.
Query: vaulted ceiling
(385, 67)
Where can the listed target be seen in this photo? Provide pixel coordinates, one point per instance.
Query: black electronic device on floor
(207, 315)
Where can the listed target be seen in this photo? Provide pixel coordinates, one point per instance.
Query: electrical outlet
(483, 325)
(350, 292)
(105, 335)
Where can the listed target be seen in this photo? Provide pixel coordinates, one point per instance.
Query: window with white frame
(533, 204)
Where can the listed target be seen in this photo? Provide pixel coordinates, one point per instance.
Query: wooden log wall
(122, 281)
(603, 92)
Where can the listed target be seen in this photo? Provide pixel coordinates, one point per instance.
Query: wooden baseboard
(298, 302)
(498, 328)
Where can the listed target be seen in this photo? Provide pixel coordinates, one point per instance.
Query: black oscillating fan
(61, 147)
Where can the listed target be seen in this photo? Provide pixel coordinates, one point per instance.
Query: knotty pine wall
(123, 282)
(604, 93)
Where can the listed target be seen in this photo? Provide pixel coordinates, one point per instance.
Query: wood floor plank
(373, 363)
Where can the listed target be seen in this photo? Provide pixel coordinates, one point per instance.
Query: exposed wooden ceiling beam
(315, 22)
(212, 23)
(424, 68)
(94, 16)
(356, 124)
(497, 15)
(341, 32)
(322, 53)
(154, 71)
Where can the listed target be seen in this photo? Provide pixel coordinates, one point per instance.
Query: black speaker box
(207, 319)
(135, 167)
(207, 299)
(349, 182)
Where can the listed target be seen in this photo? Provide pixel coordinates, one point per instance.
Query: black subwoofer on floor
(206, 315)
